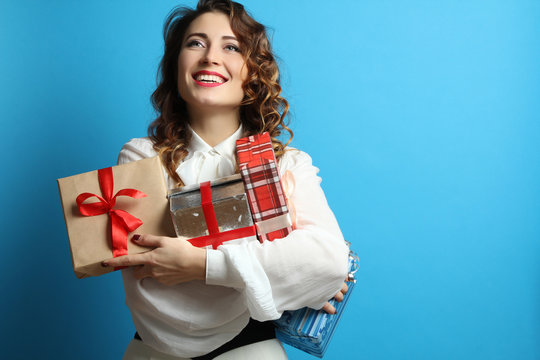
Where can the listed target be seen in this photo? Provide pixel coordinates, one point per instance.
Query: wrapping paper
(261, 177)
(211, 213)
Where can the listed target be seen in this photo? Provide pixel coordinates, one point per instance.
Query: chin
(213, 102)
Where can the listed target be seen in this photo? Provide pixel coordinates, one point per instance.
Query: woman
(219, 82)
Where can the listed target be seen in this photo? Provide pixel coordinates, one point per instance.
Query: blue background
(422, 115)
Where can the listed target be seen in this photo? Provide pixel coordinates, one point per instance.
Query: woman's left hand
(172, 261)
(338, 297)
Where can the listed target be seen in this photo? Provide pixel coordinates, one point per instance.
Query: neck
(214, 126)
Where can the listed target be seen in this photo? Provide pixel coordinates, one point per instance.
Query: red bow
(122, 222)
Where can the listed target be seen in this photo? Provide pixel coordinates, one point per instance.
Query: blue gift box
(311, 330)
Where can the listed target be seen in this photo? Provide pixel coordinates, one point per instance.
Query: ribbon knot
(255, 150)
(122, 222)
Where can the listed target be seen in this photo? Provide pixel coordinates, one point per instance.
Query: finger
(148, 240)
(127, 260)
(329, 308)
(141, 272)
(344, 288)
(339, 297)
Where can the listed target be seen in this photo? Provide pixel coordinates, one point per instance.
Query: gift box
(129, 197)
(311, 330)
(264, 189)
(212, 212)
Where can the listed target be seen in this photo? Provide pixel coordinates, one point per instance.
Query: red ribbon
(214, 237)
(208, 208)
(122, 222)
(218, 239)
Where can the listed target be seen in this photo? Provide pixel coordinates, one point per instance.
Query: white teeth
(209, 78)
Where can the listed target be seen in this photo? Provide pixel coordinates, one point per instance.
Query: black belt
(255, 331)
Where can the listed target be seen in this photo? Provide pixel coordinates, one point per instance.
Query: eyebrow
(204, 36)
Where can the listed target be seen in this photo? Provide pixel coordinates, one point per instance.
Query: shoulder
(136, 149)
(293, 157)
(298, 162)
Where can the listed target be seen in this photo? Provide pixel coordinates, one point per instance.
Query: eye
(232, 47)
(195, 43)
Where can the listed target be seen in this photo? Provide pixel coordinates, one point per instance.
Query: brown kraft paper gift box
(90, 236)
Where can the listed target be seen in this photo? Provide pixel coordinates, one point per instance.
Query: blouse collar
(205, 162)
(226, 148)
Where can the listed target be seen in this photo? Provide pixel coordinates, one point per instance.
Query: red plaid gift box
(260, 174)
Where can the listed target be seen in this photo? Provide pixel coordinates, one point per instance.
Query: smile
(209, 78)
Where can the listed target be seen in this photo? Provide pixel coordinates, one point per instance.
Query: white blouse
(243, 279)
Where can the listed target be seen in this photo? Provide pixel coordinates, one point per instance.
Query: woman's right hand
(172, 261)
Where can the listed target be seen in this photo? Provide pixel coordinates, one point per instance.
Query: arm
(306, 268)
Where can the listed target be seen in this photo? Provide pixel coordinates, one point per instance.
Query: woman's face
(211, 68)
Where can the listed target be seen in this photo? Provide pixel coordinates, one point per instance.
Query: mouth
(209, 78)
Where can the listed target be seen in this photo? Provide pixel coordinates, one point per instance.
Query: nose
(211, 55)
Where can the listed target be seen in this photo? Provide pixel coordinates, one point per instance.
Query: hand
(173, 261)
(338, 297)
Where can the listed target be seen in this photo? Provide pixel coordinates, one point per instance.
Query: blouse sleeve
(305, 268)
(136, 149)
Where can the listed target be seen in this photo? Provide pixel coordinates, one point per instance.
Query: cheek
(181, 73)
(183, 63)
(180, 67)
(242, 71)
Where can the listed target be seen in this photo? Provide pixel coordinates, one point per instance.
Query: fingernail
(104, 264)
(136, 237)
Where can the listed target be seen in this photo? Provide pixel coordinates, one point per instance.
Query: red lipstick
(209, 84)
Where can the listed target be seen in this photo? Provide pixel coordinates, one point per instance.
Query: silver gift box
(228, 199)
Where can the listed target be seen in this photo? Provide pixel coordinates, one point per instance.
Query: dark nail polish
(104, 264)
(136, 237)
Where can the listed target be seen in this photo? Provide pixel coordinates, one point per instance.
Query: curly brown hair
(262, 109)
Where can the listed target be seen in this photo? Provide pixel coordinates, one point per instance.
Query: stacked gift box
(238, 206)
(210, 213)
(311, 330)
(259, 170)
(127, 200)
